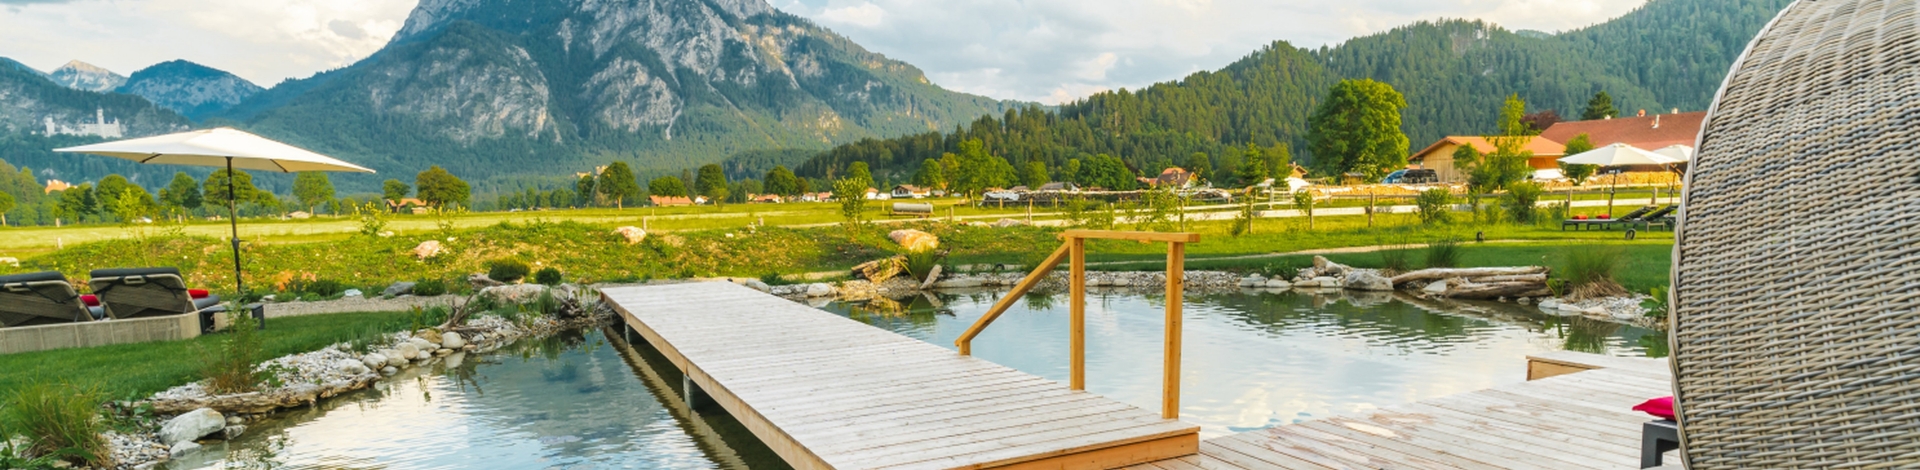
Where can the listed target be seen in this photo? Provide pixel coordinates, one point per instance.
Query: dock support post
(1176, 289)
(694, 396)
(1077, 308)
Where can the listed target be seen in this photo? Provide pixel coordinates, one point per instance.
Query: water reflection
(1254, 360)
(580, 399)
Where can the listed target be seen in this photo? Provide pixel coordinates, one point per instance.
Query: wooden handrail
(1075, 248)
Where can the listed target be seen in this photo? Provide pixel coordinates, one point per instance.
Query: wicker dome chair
(1797, 311)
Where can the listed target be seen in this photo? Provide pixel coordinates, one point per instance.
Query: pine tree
(1600, 107)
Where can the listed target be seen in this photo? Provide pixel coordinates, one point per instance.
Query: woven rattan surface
(1797, 324)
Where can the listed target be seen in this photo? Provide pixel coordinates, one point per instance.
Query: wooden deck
(1579, 420)
(827, 392)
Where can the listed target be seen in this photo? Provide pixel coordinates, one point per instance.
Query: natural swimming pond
(1252, 360)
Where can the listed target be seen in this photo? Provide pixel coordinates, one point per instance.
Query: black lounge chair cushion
(32, 277)
(125, 272)
(207, 302)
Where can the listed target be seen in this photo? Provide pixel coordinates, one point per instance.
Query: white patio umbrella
(1682, 153)
(216, 148)
(1618, 155)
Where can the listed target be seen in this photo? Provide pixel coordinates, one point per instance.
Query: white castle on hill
(99, 127)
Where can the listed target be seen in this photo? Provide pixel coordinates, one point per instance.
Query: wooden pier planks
(827, 392)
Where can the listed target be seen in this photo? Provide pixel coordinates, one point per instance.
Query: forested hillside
(1454, 74)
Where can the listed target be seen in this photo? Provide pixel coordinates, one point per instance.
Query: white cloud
(864, 15)
(263, 41)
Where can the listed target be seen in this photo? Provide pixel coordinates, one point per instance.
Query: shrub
(1520, 201)
(1435, 206)
(920, 264)
(320, 287)
(1590, 272)
(430, 287)
(229, 368)
(774, 279)
(1443, 253)
(62, 421)
(506, 270)
(1281, 270)
(548, 276)
(1396, 260)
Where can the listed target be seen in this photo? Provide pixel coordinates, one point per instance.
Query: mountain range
(518, 93)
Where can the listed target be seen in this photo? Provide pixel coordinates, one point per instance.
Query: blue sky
(1041, 50)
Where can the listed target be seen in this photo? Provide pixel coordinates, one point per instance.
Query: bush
(229, 368)
(1282, 270)
(1443, 253)
(62, 421)
(920, 264)
(320, 287)
(1521, 200)
(506, 270)
(430, 287)
(1435, 206)
(1590, 272)
(1396, 260)
(548, 276)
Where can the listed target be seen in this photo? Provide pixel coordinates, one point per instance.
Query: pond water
(586, 400)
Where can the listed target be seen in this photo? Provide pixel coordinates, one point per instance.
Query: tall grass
(229, 366)
(62, 421)
(1591, 272)
(1443, 253)
(920, 263)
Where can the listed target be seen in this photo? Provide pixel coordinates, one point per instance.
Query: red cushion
(197, 293)
(1579, 217)
(1659, 407)
(91, 300)
(1604, 216)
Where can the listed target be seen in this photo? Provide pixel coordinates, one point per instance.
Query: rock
(1307, 283)
(10, 261)
(442, 352)
(1327, 282)
(352, 294)
(430, 335)
(1004, 223)
(389, 370)
(232, 420)
(1437, 287)
(182, 449)
(455, 359)
(398, 289)
(914, 240)
(514, 294)
(1278, 284)
(758, 285)
(407, 351)
(481, 281)
(428, 249)
(191, 425)
(959, 283)
(1550, 304)
(300, 215)
(819, 290)
(1325, 268)
(351, 367)
(374, 360)
(1367, 280)
(452, 341)
(933, 275)
(1253, 281)
(233, 431)
(633, 235)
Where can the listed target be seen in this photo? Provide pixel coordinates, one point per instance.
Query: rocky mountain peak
(191, 89)
(84, 76)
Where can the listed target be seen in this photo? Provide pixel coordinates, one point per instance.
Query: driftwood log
(1482, 283)
(1494, 291)
(1436, 274)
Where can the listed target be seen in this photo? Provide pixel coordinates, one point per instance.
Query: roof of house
(670, 201)
(406, 202)
(909, 188)
(1540, 146)
(1056, 186)
(1174, 175)
(1650, 132)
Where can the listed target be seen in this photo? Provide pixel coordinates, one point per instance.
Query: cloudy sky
(1041, 50)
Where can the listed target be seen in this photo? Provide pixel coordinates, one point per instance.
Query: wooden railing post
(1077, 308)
(965, 342)
(1176, 285)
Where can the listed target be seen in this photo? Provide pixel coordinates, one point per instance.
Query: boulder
(452, 341)
(1307, 283)
(1278, 284)
(1253, 281)
(758, 285)
(182, 449)
(1437, 287)
(350, 367)
(1327, 282)
(232, 431)
(407, 351)
(428, 249)
(352, 294)
(430, 335)
(389, 370)
(1367, 280)
(914, 240)
(819, 290)
(1550, 304)
(1326, 268)
(514, 294)
(633, 235)
(959, 283)
(398, 289)
(442, 352)
(374, 360)
(191, 425)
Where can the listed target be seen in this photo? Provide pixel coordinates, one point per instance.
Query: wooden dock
(1575, 415)
(824, 391)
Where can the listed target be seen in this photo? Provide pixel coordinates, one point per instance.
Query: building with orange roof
(1646, 132)
(1439, 156)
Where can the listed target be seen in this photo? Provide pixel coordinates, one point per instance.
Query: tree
(584, 190)
(1507, 164)
(1600, 107)
(1072, 172)
(859, 172)
(312, 188)
(6, 204)
(1579, 173)
(1279, 160)
(1253, 170)
(930, 175)
(1201, 165)
(1357, 130)
(618, 184)
(1036, 175)
(852, 195)
(782, 181)
(76, 203)
(215, 189)
(395, 190)
(113, 188)
(667, 186)
(1107, 171)
(183, 192)
(975, 170)
(712, 183)
(438, 188)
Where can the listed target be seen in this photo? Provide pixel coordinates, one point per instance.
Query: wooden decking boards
(824, 391)
(1580, 420)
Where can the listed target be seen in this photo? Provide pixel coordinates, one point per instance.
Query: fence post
(1077, 280)
(1176, 285)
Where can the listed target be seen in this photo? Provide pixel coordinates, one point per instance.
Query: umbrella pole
(233, 222)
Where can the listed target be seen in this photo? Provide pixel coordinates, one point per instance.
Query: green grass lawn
(137, 370)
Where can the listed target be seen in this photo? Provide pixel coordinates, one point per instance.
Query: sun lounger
(42, 298)
(147, 292)
(1604, 224)
(1659, 218)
